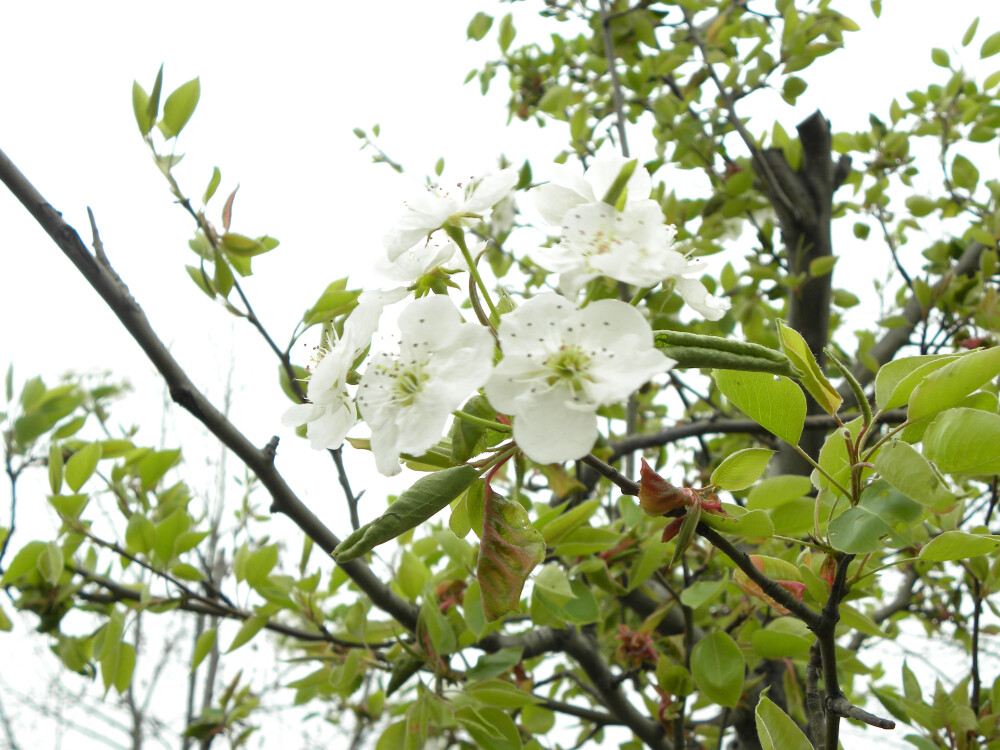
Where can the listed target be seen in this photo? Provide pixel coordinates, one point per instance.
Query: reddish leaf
(509, 549)
(227, 210)
(658, 497)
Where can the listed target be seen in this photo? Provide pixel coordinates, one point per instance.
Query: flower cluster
(560, 363)
(631, 243)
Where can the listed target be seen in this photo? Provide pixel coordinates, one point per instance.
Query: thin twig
(616, 87)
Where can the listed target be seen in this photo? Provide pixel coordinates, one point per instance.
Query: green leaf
(822, 266)
(55, 468)
(812, 378)
(69, 506)
(153, 466)
(953, 382)
(756, 524)
(507, 32)
(776, 730)
(427, 496)
(896, 380)
(970, 32)
(51, 563)
(140, 108)
(717, 665)
(259, 565)
(883, 511)
(140, 534)
(249, 629)
(509, 550)
(24, 562)
(991, 46)
(213, 185)
(179, 107)
(776, 491)
(902, 466)
(919, 205)
(958, 545)
(203, 646)
(741, 469)
(773, 401)
(479, 26)
(964, 441)
(964, 173)
(783, 638)
(940, 58)
(81, 465)
(411, 575)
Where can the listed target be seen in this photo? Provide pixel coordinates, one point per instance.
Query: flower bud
(658, 497)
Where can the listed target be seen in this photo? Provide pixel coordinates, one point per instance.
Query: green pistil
(408, 384)
(568, 365)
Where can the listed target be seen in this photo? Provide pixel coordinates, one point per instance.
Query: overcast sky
(281, 93)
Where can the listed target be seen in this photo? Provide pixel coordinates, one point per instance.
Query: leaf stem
(488, 424)
(458, 236)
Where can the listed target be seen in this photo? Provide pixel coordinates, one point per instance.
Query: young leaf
(902, 466)
(812, 378)
(896, 380)
(964, 441)
(953, 382)
(55, 468)
(81, 465)
(958, 545)
(510, 549)
(427, 496)
(140, 108)
(776, 730)
(179, 107)
(717, 665)
(773, 401)
(741, 469)
(249, 629)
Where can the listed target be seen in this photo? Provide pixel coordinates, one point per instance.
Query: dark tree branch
(727, 426)
(113, 291)
(896, 338)
(583, 649)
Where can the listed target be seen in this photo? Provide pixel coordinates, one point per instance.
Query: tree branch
(585, 652)
(113, 291)
(726, 426)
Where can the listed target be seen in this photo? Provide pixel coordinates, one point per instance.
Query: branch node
(271, 449)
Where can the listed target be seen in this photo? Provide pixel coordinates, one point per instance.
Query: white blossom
(331, 413)
(632, 245)
(432, 209)
(561, 363)
(405, 399)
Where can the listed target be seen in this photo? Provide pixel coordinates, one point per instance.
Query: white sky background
(281, 92)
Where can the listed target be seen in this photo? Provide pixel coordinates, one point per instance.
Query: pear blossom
(331, 413)
(433, 209)
(418, 261)
(405, 399)
(632, 245)
(561, 364)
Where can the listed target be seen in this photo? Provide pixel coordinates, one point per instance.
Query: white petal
(551, 432)
(605, 170)
(490, 190)
(534, 325)
(299, 414)
(552, 201)
(697, 296)
(330, 430)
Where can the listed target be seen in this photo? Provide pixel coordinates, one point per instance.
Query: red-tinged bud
(671, 529)
(657, 497)
(828, 569)
(712, 504)
(635, 647)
